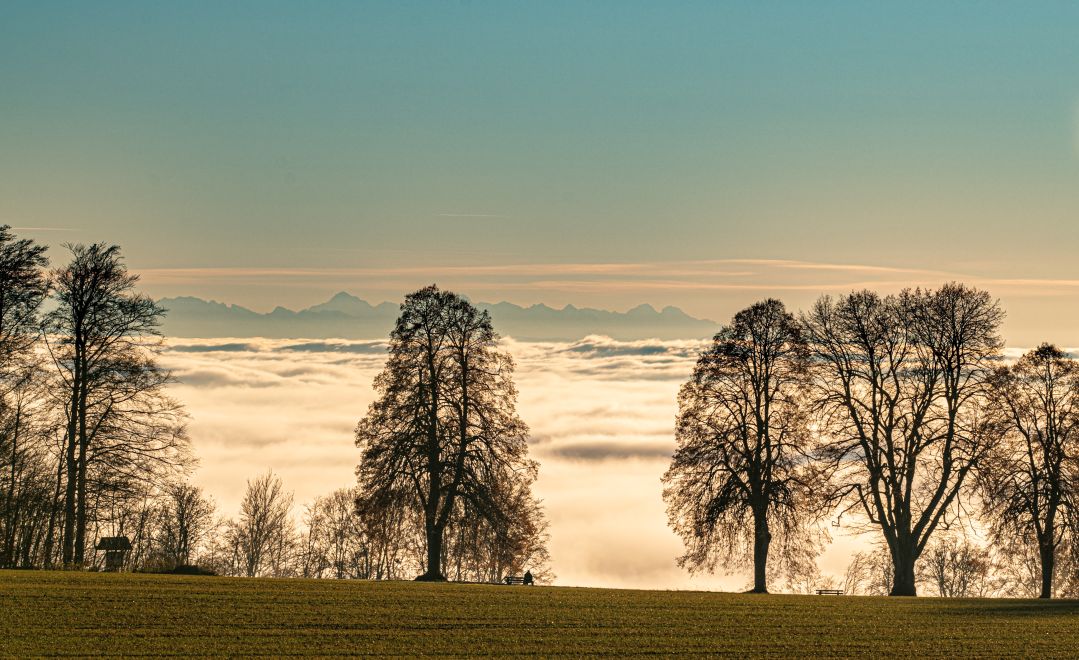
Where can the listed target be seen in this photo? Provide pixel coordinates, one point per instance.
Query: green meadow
(67, 613)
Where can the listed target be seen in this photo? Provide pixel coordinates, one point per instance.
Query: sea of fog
(601, 414)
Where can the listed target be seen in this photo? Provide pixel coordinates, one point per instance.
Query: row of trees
(86, 427)
(91, 445)
(330, 538)
(898, 411)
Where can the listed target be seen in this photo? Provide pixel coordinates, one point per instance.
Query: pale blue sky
(276, 140)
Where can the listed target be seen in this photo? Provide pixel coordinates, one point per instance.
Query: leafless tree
(23, 287)
(25, 455)
(186, 517)
(901, 387)
(394, 532)
(869, 573)
(854, 577)
(740, 471)
(1030, 478)
(956, 568)
(263, 535)
(478, 551)
(444, 428)
(334, 542)
(102, 337)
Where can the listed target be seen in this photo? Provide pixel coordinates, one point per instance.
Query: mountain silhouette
(349, 317)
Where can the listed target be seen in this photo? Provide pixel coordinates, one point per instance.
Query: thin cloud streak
(628, 269)
(810, 265)
(471, 215)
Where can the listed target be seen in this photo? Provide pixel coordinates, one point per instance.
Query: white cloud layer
(601, 414)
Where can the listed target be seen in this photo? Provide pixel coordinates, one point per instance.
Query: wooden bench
(829, 592)
(515, 579)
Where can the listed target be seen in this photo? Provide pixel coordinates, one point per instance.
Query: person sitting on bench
(528, 578)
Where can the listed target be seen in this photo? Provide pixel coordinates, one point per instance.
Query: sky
(698, 154)
(267, 153)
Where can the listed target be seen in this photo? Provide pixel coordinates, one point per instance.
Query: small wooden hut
(115, 549)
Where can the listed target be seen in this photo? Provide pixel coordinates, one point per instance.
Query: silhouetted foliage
(334, 543)
(869, 573)
(956, 568)
(263, 537)
(443, 437)
(24, 499)
(901, 387)
(186, 519)
(1028, 481)
(741, 470)
(121, 428)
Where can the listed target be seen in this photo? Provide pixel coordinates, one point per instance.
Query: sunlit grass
(115, 614)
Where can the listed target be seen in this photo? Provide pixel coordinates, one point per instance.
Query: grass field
(118, 614)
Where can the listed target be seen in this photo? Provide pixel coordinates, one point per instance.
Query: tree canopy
(443, 436)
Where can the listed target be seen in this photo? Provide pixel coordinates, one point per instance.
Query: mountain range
(347, 317)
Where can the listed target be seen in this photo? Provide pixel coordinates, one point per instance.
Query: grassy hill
(116, 614)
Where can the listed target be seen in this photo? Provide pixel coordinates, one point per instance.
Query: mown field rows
(117, 614)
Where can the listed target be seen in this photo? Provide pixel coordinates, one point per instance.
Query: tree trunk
(8, 559)
(1048, 558)
(50, 533)
(762, 538)
(434, 556)
(903, 583)
(80, 510)
(69, 503)
(72, 471)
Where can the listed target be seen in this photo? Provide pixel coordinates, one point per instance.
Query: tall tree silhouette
(901, 387)
(444, 428)
(101, 337)
(23, 287)
(1030, 479)
(740, 471)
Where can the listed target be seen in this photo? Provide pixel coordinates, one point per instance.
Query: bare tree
(869, 573)
(740, 470)
(1030, 479)
(334, 542)
(186, 518)
(956, 568)
(25, 500)
(855, 575)
(23, 287)
(394, 533)
(444, 428)
(481, 552)
(102, 337)
(901, 387)
(263, 535)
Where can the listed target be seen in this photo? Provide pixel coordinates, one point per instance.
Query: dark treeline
(91, 446)
(87, 433)
(895, 415)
